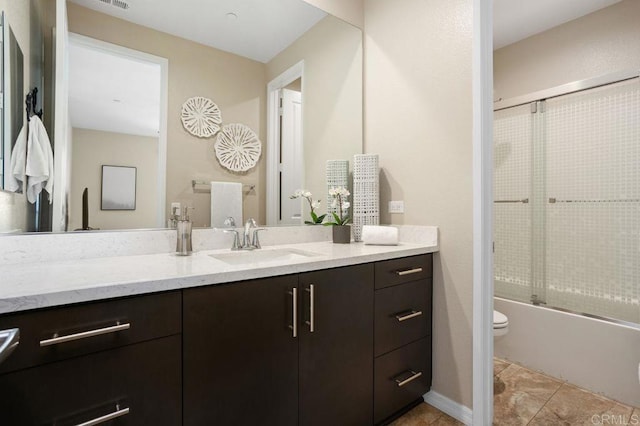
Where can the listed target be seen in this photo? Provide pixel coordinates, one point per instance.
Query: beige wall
(418, 117)
(91, 150)
(599, 43)
(331, 92)
(235, 84)
(351, 11)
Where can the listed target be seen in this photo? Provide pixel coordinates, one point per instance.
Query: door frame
(273, 136)
(137, 55)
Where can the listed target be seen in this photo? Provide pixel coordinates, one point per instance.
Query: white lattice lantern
(237, 147)
(201, 117)
(366, 193)
(337, 175)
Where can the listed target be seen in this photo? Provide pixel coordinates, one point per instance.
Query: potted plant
(303, 193)
(341, 229)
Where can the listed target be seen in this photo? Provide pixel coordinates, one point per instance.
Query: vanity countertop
(55, 283)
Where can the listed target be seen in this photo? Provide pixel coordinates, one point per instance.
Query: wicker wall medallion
(237, 147)
(201, 117)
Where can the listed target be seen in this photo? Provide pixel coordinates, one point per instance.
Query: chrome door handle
(414, 376)
(9, 340)
(312, 303)
(55, 340)
(102, 419)
(409, 271)
(413, 314)
(294, 297)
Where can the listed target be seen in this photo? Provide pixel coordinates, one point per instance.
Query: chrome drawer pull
(410, 379)
(294, 317)
(312, 304)
(77, 336)
(107, 417)
(413, 314)
(409, 271)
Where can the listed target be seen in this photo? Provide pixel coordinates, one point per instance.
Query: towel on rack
(226, 201)
(15, 177)
(39, 169)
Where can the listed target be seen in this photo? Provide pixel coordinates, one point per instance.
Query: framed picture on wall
(118, 188)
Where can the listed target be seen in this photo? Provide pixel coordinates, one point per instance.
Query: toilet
(500, 324)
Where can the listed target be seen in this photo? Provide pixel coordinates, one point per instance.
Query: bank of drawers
(402, 345)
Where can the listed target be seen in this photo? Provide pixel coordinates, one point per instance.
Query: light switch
(396, 206)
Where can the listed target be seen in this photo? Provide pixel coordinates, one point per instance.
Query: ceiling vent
(116, 3)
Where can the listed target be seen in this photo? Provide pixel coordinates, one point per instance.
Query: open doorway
(285, 155)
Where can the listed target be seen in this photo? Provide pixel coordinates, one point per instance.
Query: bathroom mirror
(331, 86)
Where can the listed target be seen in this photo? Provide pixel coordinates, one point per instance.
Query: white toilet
(500, 324)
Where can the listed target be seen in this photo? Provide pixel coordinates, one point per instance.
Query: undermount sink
(262, 256)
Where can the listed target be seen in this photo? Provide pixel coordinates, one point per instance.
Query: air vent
(121, 4)
(116, 3)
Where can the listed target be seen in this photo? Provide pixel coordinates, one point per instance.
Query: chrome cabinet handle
(55, 340)
(414, 376)
(413, 314)
(9, 340)
(294, 297)
(312, 303)
(118, 413)
(409, 271)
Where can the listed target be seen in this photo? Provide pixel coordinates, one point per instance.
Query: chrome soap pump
(183, 228)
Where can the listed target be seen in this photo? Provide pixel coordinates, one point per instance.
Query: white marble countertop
(55, 283)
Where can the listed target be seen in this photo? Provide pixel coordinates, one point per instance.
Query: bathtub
(600, 356)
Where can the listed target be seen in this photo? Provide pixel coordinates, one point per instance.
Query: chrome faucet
(250, 241)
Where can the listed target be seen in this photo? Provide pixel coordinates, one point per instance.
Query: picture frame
(118, 188)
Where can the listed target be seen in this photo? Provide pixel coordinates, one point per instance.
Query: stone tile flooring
(524, 397)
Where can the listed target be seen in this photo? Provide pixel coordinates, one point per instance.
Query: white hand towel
(226, 201)
(15, 177)
(39, 167)
(380, 235)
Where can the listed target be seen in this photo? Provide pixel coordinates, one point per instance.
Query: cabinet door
(240, 356)
(138, 384)
(336, 359)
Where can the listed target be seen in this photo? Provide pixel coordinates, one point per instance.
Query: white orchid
(303, 193)
(339, 195)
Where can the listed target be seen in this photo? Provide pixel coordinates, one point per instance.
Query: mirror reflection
(131, 69)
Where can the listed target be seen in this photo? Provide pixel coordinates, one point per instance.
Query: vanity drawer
(401, 377)
(144, 379)
(397, 271)
(90, 327)
(402, 315)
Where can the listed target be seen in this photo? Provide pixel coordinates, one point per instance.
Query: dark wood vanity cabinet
(281, 351)
(119, 359)
(342, 346)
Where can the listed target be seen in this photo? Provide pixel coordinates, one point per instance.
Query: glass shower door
(567, 202)
(592, 213)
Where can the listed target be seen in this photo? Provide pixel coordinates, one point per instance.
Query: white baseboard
(449, 406)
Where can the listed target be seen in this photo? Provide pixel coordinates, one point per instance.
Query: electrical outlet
(396, 206)
(177, 207)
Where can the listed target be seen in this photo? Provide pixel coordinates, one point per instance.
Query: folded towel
(15, 177)
(380, 235)
(39, 167)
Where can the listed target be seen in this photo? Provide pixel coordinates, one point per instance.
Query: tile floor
(524, 397)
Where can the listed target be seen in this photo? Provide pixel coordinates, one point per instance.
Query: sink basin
(263, 256)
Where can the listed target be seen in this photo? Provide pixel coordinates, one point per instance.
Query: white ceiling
(113, 93)
(514, 20)
(262, 29)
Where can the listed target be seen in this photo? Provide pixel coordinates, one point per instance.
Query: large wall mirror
(132, 64)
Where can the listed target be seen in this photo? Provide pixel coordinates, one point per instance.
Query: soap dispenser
(183, 228)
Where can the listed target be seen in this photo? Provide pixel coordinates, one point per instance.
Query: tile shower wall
(577, 160)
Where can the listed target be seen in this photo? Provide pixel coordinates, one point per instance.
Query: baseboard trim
(449, 406)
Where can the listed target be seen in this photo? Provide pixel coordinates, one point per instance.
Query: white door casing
(292, 157)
